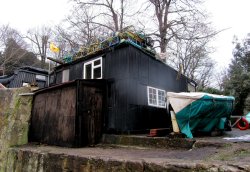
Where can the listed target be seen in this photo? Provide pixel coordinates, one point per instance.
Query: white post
(174, 122)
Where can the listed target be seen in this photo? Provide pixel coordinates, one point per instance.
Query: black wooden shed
(136, 86)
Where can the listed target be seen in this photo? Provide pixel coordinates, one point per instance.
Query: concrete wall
(15, 112)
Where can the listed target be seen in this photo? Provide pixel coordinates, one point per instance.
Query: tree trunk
(43, 61)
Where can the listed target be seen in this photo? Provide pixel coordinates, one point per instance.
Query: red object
(153, 133)
(242, 124)
(158, 132)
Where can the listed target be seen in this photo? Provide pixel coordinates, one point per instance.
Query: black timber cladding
(69, 114)
(128, 72)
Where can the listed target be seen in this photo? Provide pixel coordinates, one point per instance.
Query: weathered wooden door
(90, 115)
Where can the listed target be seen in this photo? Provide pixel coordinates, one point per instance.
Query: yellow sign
(53, 48)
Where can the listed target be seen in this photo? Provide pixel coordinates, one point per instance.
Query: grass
(230, 154)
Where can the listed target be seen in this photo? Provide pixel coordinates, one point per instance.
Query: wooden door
(91, 115)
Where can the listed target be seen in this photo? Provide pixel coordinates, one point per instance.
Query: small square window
(65, 75)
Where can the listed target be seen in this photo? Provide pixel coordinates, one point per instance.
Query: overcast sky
(228, 14)
(26, 14)
(231, 14)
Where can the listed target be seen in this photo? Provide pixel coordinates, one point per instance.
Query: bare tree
(183, 36)
(191, 55)
(39, 39)
(220, 78)
(175, 17)
(204, 74)
(82, 28)
(12, 49)
(6, 32)
(90, 22)
(109, 14)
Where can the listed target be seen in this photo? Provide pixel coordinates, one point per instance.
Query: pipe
(55, 60)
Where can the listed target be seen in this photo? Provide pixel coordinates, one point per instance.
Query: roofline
(121, 45)
(70, 83)
(104, 51)
(34, 69)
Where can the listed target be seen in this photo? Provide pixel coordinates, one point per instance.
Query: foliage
(237, 82)
(210, 90)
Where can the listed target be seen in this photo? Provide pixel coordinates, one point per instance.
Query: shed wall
(130, 72)
(53, 117)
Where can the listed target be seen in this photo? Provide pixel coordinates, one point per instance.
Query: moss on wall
(15, 112)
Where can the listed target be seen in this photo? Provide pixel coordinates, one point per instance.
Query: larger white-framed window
(93, 69)
(156, 97)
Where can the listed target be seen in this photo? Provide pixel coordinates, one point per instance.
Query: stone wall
(15, 112)
(31, 158)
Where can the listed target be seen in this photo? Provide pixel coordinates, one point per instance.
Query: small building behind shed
(26, 76)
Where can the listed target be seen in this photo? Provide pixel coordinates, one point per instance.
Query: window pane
(97, 62)
(154, 102)
(161, 98)
(154, 91)
(88, 71)
(152, 97)
(97, 73)
(150, 101)
(150, 90)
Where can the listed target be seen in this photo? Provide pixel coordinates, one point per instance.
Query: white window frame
(92, 68)
(65, 75)
(41, 77)
(157, 97)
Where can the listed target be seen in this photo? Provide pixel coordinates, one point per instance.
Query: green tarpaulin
(200, 111)
(248, 117)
